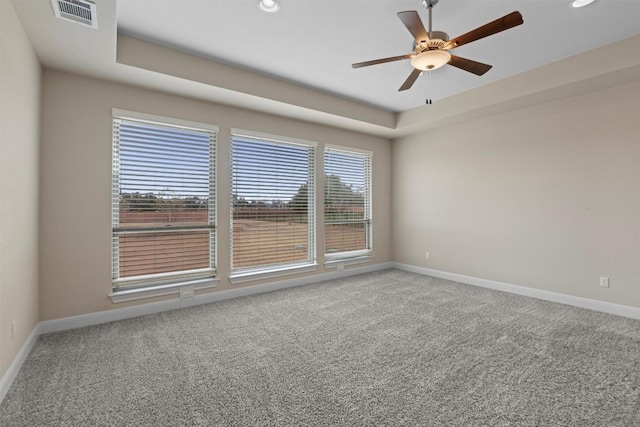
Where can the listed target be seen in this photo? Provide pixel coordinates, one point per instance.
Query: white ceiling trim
(606, 66)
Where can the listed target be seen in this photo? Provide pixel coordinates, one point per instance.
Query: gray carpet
(389, 348)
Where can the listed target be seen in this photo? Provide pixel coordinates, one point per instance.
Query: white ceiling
(297, 63)
(314, 42)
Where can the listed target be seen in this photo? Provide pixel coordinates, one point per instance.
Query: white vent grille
(80, 11)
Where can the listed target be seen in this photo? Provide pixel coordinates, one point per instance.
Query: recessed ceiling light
(268, 6)
(581, 3)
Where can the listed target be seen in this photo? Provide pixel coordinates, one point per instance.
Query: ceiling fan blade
(412, 21)
(477, 68)
(411, 79)
(381, 61)
(508, 21)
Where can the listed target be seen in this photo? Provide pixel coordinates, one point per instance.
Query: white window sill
(248, 276)
(182, 288)
(358, 259)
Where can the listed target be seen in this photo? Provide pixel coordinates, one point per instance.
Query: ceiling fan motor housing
(431, 56)
(438, 38)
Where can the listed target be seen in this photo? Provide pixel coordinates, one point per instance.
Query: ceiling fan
(431, 50)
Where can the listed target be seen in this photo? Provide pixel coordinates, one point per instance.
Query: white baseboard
(157, 307)
(172, 304)
(107, 316)
(606, 307)
(150, 308)
(290, 283)
(14, 368)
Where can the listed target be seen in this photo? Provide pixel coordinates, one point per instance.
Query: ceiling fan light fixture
(270, 6)
(581, 3)
(430, 59)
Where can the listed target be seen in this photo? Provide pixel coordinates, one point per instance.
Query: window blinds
(347, 203)
(272, 203)
(163, 214)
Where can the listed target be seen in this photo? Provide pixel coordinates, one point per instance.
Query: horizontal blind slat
(272, 207)
(347, 202)
(164, 203)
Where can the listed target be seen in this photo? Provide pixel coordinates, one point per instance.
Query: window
(273, 195)
(347, 203)
(163, 205)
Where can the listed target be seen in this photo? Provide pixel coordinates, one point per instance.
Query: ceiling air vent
(80, 11)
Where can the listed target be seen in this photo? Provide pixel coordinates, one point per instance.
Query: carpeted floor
(387, 348)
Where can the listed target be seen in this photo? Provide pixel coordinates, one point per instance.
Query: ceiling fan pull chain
(429, 101)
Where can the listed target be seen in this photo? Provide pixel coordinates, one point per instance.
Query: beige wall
(19, 140)
(546, 197)
(76, 182)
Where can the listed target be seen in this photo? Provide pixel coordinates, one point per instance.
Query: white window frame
(362, 255)
(245, 274)
(131, 288)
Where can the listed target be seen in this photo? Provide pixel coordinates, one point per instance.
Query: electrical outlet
(13, 329)
(604, 282)
(427, 255)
